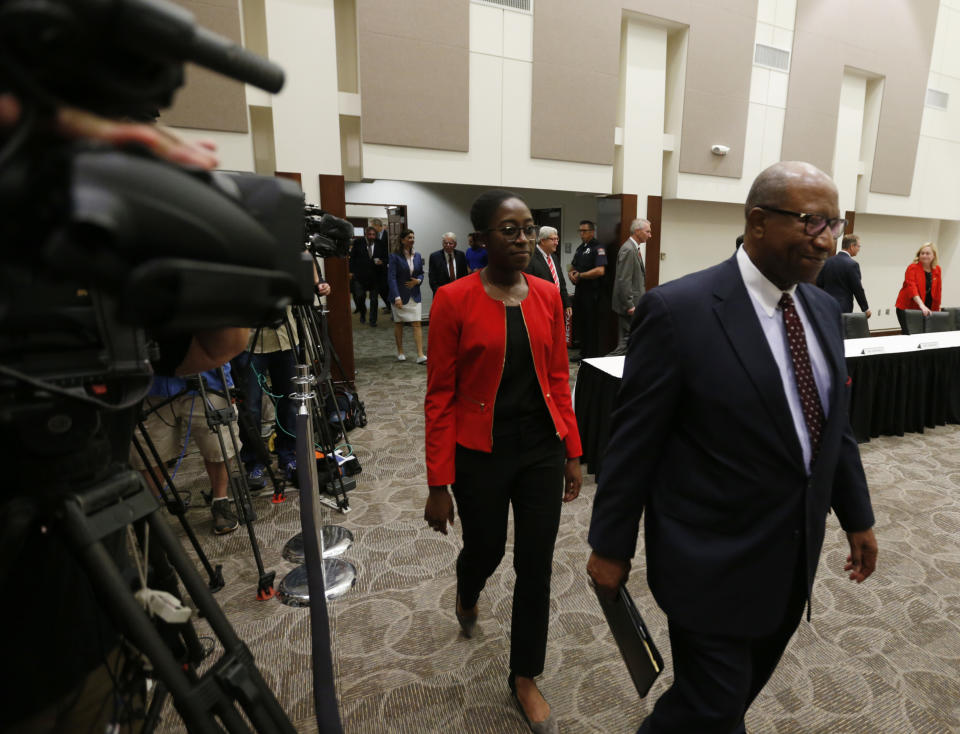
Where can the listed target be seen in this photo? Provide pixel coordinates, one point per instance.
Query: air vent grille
(937, 99)
(521, 6)
(771, 57)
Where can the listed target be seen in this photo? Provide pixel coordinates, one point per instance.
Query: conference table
(899, 384)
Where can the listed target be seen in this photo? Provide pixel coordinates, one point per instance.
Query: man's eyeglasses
(511, 232)
(813, 224)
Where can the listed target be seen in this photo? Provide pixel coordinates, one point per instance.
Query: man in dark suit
(840, 276)
(381, 261)
(544, 254)
(364, 273)
(446, 264)
(732, 438)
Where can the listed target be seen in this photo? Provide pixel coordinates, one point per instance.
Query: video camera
(326, 235)
(98, 242)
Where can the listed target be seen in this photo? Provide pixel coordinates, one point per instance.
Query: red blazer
(915, 284)
(466, 350)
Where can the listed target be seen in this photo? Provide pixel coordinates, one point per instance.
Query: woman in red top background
(922, 284)
(500, 429)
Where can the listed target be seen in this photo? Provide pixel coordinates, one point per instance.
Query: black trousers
(526, 472)
(716, 678)
(586, 319)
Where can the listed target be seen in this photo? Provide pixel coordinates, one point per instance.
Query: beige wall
(414, 73)
(893, 39)
(209, 101)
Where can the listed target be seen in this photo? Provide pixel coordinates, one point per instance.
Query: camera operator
(176, 413)
(64, 648)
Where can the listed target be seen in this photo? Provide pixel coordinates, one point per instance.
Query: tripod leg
(243, 504)
(178, 509)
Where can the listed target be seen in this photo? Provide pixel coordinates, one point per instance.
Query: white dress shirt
(766, 297)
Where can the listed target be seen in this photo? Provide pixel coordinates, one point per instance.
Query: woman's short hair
(486, 204)
(401, 237)
(545, 233)
(936, 260)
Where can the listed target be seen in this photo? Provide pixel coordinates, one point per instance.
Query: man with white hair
(545, 263)
(446, 264)
(630, 280)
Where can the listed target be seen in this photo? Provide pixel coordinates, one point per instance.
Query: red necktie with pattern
(553, 271)
(803, 373)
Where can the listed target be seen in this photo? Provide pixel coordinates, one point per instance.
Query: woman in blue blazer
(404, 276)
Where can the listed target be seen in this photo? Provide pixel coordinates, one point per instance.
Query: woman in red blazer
(500, 429)
(922, 285)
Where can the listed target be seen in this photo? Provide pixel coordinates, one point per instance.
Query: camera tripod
(217, 420)
(207, 703)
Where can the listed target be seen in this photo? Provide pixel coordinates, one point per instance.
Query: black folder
(632, 637)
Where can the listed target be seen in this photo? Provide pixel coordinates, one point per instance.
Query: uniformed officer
(588, 267)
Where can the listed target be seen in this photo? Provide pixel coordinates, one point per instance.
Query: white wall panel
(642, 90)
(846, 152)
(517, 36)
(697, 235)
(486, 30)
(306, 123)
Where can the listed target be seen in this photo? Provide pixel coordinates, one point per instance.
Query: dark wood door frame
(337, 272)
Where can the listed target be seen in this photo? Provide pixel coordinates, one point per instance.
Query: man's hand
(607, 573)
(863, 555)
(439, 508)
(868, 313)
(78, 124)
(574, 276)
(323, 289)
(572, 479)
(631, 310)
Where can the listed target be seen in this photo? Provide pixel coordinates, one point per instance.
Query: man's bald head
(771, 186)
(782, 199)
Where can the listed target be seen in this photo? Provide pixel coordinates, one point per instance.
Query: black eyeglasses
(511, 232)
(813, 224)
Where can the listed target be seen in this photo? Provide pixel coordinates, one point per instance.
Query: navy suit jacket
(438, 273)
(398, 273)
(840, 277)
(362, 265)
(703, 445)
(538, 267)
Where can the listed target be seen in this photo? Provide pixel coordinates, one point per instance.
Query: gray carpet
(882, 657)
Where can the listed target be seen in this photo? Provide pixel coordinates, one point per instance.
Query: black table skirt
(593, 404)
(891, 394)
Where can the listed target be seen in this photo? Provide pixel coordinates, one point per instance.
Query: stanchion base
(336, 541)
(339, 577)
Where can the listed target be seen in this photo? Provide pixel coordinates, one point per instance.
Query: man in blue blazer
(840, 276)
(732, 439)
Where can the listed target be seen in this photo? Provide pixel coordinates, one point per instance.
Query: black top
(928, 298)
(519, 408)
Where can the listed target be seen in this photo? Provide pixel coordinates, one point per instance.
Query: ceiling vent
(521, 6)
(771, 57)
(937, 99)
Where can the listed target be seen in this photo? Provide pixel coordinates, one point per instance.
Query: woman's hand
(397, 302)
(926, 311)
(439, 508)
(572, 479)
(412, 283)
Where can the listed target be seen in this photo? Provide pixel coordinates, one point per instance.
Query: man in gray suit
(630, 280)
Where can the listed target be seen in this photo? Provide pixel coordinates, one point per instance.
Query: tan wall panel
(573, 37)
(568, 129)
(707, 119)
(209, 101)
(419, 102)
(415, 73)
(893, 39)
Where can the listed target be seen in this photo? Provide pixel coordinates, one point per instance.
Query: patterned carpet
(880, 658)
